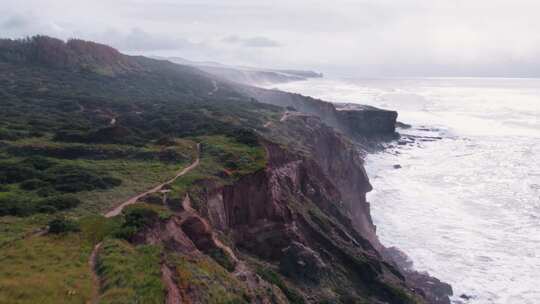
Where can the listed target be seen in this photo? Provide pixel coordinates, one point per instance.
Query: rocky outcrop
(307, 216)
(302, 264)
(366, 120)
(357, 121)
(300, 226)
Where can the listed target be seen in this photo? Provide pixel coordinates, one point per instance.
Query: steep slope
(274, 212)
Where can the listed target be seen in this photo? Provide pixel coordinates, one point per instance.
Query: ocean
(465, 204)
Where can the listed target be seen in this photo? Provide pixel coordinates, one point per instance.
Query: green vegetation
(273, 277)
(46, 269)
(14, 205)
(84, 128)
(15, 228)
(53, 267)
(63, 161)
(139, 216)
(130, 274)
(223, 160)
(63, 225)
(208, 280)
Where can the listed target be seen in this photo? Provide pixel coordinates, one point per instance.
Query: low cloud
(372, 37)
(15, 22)
(139, 40)
(258, 42)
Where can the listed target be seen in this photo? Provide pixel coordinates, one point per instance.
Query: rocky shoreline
(371, 129)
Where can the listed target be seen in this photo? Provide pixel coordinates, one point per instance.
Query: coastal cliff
(305, 217)
(356, 121)
(260, 196)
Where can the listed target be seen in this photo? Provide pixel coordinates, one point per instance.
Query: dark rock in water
(397, 256)
(435, 291)
(402, 125)
(302, 263)
(366, 120)
(432, 289)
(466, 297)
(397, 166)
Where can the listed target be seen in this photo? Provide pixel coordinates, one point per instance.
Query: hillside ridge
(274, 211)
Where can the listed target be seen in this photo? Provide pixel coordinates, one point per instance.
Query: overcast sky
(353, 37)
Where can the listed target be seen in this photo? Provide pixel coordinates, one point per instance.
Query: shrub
(12, 134)
(60, 202)
(154, 199)
(33, 184)
(63, 225)
(11, 173)
(272, 277)
(75, 179)
(16, 206)
(124, 232)
(39, 162)
(166, 141)
(140, 217)
(46, 191)
(246, 137)
(46, 209)
(69, 136)
(222, 259)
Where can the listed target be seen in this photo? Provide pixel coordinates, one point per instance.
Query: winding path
(116, 211)
(92, 262)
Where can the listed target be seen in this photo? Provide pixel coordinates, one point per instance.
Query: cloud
(368, 37)
(258, 42)
(139, 40)
(15, 22)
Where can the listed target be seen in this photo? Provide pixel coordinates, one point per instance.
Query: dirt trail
(95, 278)
(173, 297)
(173, 293)
(116, 211)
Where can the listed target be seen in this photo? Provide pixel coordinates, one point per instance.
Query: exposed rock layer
(305, 214)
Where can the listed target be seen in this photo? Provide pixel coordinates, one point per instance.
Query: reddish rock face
(199, 232)
(168, 233)
(306, 214)
(269, 211)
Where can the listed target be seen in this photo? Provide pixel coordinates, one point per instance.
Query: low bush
(23, 206)
(246, 136)
(75, 179)
(42, 174)
(39, 162)
(33, 184)
(272, 277)
(16, 206)
(63, 225)
(60, 202)
(47, 191)
(11, 173)
(140, 217)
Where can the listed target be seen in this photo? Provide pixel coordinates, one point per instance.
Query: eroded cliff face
(297, 231)
(300, 228)
(357, 121)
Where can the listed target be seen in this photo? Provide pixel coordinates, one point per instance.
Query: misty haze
(284, 152)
